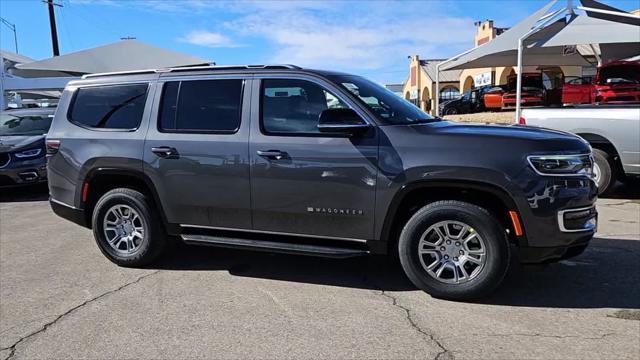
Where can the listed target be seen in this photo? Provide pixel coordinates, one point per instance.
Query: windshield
(619, 74)
(14, 124)
(389, 107)
(529, 81)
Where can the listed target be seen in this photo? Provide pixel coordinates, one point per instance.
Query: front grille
(621, 98)
(4, 159)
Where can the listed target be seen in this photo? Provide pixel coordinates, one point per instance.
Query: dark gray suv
(284, 159)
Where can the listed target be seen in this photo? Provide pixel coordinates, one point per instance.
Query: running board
(272, 246)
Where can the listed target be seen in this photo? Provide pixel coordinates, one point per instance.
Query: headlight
(28, 153)
(558, 165)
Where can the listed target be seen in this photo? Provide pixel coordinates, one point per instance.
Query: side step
(272, 246)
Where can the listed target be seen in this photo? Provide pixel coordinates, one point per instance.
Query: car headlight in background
(558, 165)
(28, 153)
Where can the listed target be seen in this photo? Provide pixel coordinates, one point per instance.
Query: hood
(506, 137)
(17, 142)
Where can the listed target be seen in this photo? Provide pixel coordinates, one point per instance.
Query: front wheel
(126, 229)
(603, 171)
(454, 250)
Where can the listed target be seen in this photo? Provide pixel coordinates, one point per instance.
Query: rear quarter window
(109, 107)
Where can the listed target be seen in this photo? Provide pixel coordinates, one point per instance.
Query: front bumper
(24, 172)
(559, 219)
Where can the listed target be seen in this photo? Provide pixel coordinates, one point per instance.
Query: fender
(404, 190)
(138, 174)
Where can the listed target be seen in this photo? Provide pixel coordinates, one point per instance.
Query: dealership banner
(482, 79)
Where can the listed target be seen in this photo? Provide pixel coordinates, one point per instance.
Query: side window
(207, 106)
(109, 106)
(291, 106)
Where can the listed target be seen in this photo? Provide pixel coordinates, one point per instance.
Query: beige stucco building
(419, 87)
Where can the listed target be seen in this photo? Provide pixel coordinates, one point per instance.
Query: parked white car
(613, 132)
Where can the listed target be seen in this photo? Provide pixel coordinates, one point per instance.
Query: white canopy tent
(24, 75)
(543, 35)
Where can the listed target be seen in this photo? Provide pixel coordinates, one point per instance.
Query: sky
(370, 38)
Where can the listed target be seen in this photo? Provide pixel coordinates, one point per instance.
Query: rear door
(302, 181)
(196, 150)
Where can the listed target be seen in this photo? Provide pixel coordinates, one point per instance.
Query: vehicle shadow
(605, 276)
(629, 191)
(39, 192)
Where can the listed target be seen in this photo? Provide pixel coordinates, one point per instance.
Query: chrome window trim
(272, 232)
(558, 156)
(561, 219)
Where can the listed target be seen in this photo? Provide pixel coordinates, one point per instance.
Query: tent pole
(438, 89)
(519, 81)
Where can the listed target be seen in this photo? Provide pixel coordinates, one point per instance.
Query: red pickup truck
(617, 82)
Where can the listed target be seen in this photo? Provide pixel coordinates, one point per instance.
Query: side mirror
(341, 121)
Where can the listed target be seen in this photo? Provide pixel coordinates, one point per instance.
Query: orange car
(493, 98)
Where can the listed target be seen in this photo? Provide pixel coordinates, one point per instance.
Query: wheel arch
(100, 180)
(599, 142)
(414, 195)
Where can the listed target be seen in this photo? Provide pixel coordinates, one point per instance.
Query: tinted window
(109, 107)
(294, 106)
(389, 108)
(201, 106)
(18, 124)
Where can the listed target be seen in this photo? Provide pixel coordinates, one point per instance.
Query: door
(197, 155)
(303, 181)
(576, 91)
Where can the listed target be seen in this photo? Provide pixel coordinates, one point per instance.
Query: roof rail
(194, 68)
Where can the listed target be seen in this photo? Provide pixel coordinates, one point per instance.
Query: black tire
(496, 249)
(154, 238)
(452, 111)
(605, 164)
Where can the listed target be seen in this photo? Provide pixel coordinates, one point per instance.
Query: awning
(123, 55)
(546, 46)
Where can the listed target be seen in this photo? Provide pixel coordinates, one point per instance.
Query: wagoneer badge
(336, 211)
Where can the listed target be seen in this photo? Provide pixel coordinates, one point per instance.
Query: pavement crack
(549, 336)
(12, 348)
(444, 353)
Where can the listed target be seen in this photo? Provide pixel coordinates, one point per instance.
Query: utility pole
(13, 28)
(52, 24)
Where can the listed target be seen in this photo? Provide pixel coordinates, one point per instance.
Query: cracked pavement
(60, 298)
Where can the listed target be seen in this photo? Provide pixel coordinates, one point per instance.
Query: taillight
(52, 146)
(522, 120)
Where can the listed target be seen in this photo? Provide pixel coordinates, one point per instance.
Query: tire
(452, 111)
(144, 249)
(481, 280)
(604, 171)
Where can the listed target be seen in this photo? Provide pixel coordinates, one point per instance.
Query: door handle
(272, 154)
(164, 151)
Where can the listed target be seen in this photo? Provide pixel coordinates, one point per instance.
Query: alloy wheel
(123, 229)
(452, 252)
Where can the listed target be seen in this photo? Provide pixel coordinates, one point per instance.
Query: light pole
(13, 28)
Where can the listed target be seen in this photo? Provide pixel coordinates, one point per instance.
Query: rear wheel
(603, 171)
(454, 250)
(126, 229)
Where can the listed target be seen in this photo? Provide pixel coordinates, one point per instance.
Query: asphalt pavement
(60, 298)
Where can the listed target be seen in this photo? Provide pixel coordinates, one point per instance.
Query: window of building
(210, 106)
(291, 106)
(109, 107)
(449, 93)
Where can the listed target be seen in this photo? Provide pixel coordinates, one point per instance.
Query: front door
(303, 181)
(197, 153)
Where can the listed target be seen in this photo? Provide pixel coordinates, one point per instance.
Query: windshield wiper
(427, 120)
